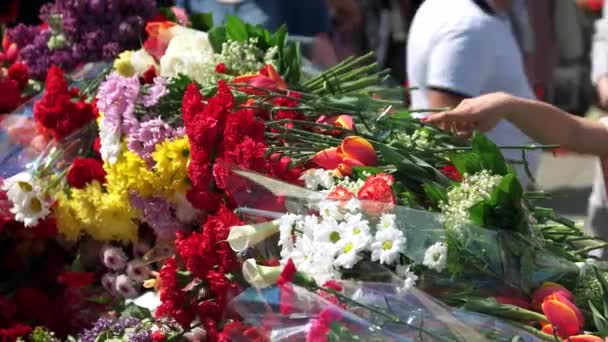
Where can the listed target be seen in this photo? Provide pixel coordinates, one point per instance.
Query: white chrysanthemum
(436, 257)
(330, 210)
(353, 205)
(315, 259)
(409, 278)
(109, 138)
(349, 249)
(355, 225)
(328, 232)
(308, 225)
(473, 189)
(386, 221)
(26, 196)
(388, 244)
(286, 225)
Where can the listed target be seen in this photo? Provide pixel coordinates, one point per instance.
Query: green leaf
(168, 13)
(492, 307)
(236, 29)
(490, 156)
(601, 323)
(217, 37)
(435, 193)
(202, 21)
(468, 162)
(136, 311)
(604, 286)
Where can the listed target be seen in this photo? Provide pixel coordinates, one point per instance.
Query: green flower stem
(520, 147)
(591, 248)
(340, 68)
(377, 311)
(533, 331)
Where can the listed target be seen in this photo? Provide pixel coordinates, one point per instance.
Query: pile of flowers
(205, 188)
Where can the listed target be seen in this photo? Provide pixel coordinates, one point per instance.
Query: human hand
(477, 114)
(602, 91)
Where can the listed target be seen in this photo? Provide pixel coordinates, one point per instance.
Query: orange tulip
(563, 315)
(342, 121)
(584, 338)
(354, 151)
(159, 36)
(548, 288)
(268, 78)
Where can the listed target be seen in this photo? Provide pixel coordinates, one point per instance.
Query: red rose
(20, 74)
(11, 95)
(84, 171)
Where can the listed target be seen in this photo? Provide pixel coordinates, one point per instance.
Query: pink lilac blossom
(155, 92)
(116, 100)
(144, 139)
(158, 214)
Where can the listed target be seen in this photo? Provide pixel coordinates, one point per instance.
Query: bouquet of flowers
(207, 165)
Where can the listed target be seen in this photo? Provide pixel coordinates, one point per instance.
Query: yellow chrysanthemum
(130, 173)
(171, 164)
(123, 65)
(67, 223)
(105, 216)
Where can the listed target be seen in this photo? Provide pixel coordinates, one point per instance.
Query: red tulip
(354, 151)
(563, 315)
(268, 79)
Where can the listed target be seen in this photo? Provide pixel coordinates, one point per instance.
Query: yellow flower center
(25, 186)
(349, 247)
(386, 245)
(334, 237)
(35, 205)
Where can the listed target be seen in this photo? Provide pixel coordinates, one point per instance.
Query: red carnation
(14, 332)
(171, 295)
(221, 68)
(451, 172)
(76, 279)
(149, 75)
(377, 188)
(31, 303)
(84, 171)
(20, 74)
(340, 193)
(11, 95)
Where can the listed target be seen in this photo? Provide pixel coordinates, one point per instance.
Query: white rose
(142, 61)
(187, 51)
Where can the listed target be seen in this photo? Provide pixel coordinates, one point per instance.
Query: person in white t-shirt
(459, 49)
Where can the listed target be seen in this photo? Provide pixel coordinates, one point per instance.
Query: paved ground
(568, 178)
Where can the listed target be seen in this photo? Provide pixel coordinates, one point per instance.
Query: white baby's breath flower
(386, 221)
(436, 257)
(388, 244)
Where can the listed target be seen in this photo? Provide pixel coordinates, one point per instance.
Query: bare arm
(541, 121)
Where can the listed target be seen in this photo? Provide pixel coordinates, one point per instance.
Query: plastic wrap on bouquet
(481, 261)
(383, 313)
(21, 143)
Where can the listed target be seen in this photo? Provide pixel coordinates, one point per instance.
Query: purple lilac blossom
(143, 140)
(94, 30)
(157, 213)
(90, 335)
(155, 92)
(116, 97)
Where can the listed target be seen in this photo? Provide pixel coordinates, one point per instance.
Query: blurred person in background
(597, 212)
(308, 18)
(459, 49)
